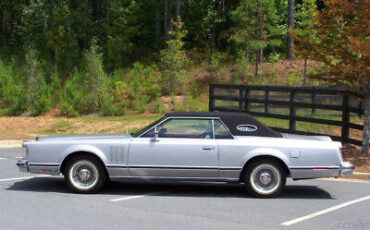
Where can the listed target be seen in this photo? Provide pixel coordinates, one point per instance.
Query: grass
(128, 118)
(59, 127)
(131, 123)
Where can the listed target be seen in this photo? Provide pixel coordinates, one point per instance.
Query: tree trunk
(366, 131)
(290, 38)
(178, 7)
(247, 53)
(108, 11)
(165, 24)
(256, 73)
(261, 55)
(158, 26)
(305, 71)
(12, 20)
(212, 41)
(260, 19)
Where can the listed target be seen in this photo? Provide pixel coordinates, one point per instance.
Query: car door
(185, 147)
(230, 153)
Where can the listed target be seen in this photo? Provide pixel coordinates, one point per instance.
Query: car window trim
(227, 129)
(198, 118)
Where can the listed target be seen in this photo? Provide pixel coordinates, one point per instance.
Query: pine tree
(173, 58)
(255, 28)
(38, 96)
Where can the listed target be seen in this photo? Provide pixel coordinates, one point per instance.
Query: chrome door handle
(208, 148)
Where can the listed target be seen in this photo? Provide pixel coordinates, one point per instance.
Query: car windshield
(147, 127)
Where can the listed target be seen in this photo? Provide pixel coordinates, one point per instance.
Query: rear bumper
(346, 169)
(23, 165)
(301, 172)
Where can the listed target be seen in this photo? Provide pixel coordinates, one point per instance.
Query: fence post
(246, 99)
(211, 106)
(345, 119)
(267, 92)
(360, 108)
(241, 91)
(313, 95)
(292, 111)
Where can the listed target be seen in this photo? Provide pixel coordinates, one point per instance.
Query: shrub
(12, 93)
(174, 60)
(137, 89)
(89, 91)
(38, 94)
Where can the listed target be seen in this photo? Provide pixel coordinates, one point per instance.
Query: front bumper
(23, 165)
(346, 169)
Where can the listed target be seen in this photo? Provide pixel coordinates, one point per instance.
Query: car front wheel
(85, 174)
(265, 178)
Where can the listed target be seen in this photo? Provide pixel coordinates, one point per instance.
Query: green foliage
(12, 93)
(138, 89)
(73, 102)
(174, 60)
(38, 94)
(110, 57)
(305, 15)
(256, 25)
(88, 91)
(240, 73)
(95, 80)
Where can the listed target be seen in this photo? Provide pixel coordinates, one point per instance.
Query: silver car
(191, 146)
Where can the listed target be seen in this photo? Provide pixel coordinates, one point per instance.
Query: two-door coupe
(194, 146)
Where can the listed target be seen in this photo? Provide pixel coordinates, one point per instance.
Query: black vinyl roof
(232, 120)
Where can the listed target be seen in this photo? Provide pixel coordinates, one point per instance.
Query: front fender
(83, 148)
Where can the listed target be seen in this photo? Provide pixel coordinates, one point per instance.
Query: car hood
(83, 137)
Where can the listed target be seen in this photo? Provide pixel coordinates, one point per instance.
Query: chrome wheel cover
(83, 174)
(265, 179)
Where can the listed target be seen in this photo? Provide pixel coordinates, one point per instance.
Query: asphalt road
(30, 201)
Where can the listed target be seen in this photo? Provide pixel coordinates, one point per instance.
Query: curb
(359, 175)
(11, 143)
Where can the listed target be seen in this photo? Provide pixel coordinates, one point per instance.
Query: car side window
(220, 131)
(183, 128)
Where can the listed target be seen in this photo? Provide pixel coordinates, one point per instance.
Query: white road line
(16, 178)
(2, 158)
(315, 214)
(140, 196)
(21, 178)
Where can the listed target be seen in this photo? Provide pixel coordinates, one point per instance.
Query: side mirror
(155, 139)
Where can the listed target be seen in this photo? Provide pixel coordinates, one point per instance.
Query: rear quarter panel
(294, 153)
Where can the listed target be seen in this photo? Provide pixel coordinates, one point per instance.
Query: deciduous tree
(342, 44)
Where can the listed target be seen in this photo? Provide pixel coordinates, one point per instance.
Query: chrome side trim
(209, 118)
(313, 167)
(44, 168)
(23, 165)
(162, 178)
(174, 167)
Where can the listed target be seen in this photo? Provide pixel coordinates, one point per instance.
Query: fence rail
(267, 97)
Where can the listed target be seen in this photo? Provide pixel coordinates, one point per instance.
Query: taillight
(342, 154)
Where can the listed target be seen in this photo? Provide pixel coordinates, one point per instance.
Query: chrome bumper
(346, 169)
(23, 165)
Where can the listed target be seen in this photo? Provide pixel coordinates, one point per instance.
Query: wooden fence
(272, 101)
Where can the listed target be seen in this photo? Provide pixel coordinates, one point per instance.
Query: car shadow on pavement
(180, 189)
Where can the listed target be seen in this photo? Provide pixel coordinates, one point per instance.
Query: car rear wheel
(265, 178)
(85, 174)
